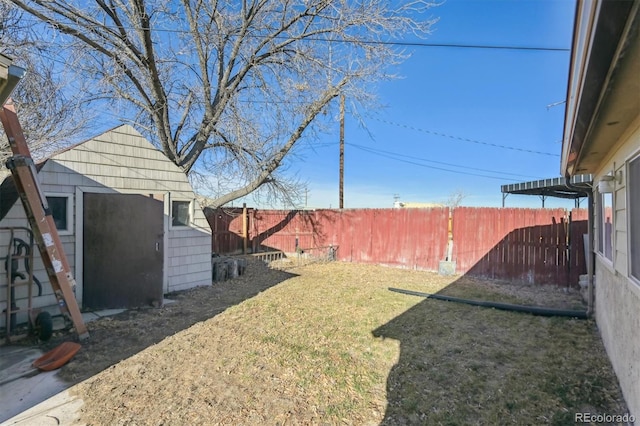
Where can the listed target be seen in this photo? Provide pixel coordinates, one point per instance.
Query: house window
(633, 188)
(180, 213)
(60, 207)
(605, 225)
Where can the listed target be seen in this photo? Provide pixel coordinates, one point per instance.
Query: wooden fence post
(245, 229)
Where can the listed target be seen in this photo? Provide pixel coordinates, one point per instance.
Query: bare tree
(455, 198)
(50, 117)
(230, 88)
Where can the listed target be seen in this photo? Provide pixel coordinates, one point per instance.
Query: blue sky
(490, 96)
(448, 120)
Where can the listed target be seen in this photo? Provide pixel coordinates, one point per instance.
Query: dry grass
(333, 345)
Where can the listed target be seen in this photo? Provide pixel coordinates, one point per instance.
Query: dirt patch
(330, 344)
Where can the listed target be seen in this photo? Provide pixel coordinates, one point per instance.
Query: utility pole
(341, 151)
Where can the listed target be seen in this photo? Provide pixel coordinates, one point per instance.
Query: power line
(495, 145)
(390, 154)
(369, 42)
(375, 152)
(457, 45)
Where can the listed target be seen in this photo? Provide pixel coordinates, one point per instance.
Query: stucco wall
(618, 318)
(617, 293)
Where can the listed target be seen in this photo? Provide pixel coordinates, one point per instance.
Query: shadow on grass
(462, 364)
(115, 338)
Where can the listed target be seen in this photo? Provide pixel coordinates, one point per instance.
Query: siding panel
(122, 160)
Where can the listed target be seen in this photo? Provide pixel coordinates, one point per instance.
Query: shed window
(180, 213)
(605, 225)
(633, 188)
(61, 212)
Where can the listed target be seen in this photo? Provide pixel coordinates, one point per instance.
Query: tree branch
(276, 160)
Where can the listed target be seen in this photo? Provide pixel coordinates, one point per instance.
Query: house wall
(121, 160)
(617, 294)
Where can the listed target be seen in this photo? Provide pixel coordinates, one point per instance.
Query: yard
(330, 344)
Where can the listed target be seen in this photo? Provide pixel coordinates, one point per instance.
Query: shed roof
(555, 187)
(9, 193)
(126, 160)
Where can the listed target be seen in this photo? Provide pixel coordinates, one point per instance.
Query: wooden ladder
(41, 221)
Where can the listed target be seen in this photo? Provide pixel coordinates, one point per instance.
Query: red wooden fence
(410, 238)
(542, 246)
(226, 230)
(538, 246)
(578, 228)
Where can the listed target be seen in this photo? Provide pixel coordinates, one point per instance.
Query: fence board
(528, 245)
(226, 229)
(412, 238)
(579, 227)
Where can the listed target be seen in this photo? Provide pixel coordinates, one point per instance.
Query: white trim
(627, 163)
(99, 190)
(633, 156)
(634, 282)
(190, 221)
(79, 264)
(600, 226)
(69, 197)
(583, 35)
(165, 243)
(606, 262)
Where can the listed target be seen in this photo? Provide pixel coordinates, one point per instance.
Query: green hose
(535, 310)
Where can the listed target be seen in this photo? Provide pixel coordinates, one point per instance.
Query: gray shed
(128, 219)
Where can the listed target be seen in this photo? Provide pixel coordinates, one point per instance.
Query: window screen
(605, 225)
(58, 207)
(180, 213)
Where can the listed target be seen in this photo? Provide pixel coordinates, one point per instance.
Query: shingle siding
(121, 160)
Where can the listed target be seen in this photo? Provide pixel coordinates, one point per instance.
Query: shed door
(123, 250)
